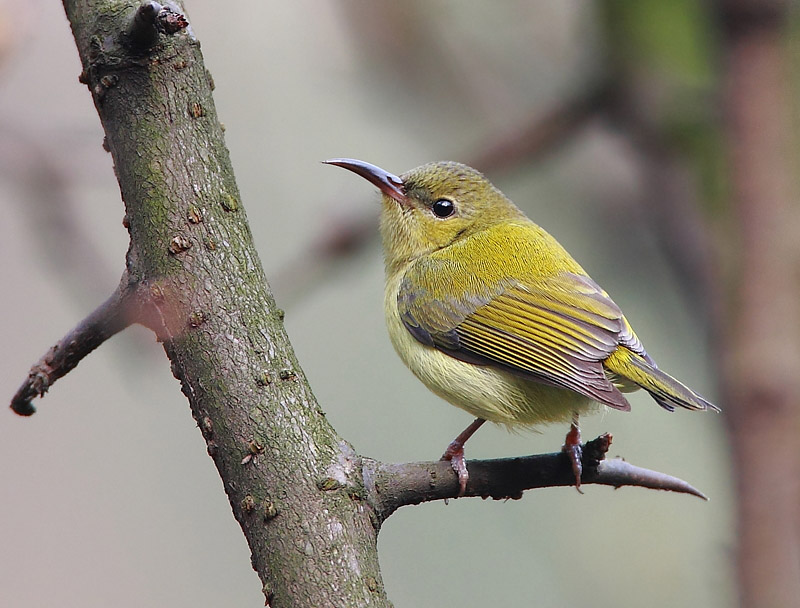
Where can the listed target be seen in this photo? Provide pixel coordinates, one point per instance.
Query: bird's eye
(443, 208)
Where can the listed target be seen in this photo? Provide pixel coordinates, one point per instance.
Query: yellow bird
(492, 314)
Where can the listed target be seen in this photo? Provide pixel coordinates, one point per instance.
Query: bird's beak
(388, 183)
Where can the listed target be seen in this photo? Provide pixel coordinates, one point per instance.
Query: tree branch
(209, 302)
(112, 316)
(391, 486)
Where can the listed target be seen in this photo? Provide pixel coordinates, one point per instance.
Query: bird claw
(574, 451)
(455, 454)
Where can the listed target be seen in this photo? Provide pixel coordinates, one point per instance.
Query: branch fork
(131, 303)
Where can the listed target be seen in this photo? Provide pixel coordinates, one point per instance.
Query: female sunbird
(493, 314)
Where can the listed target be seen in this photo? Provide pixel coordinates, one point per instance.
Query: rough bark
(192, 248)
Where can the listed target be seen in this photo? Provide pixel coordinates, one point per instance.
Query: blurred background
(652, 139)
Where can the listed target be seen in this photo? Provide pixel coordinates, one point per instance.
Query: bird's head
(432, 206)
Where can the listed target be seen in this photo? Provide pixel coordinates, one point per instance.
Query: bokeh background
(601, 120)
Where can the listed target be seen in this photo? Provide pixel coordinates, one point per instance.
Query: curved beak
(388, 183)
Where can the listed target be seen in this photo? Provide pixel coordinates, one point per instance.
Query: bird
(493, 315)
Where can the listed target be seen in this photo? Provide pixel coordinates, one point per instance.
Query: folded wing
(557, 330)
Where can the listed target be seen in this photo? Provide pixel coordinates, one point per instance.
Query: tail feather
(668, 392)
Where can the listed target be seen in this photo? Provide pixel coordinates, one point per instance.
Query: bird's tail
(666, 390)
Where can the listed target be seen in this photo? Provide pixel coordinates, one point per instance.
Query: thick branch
(391, 486)
(224, 336)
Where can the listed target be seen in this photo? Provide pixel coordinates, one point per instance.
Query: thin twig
(112, 316)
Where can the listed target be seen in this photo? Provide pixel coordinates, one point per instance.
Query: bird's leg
(455, 454)
(572, 448)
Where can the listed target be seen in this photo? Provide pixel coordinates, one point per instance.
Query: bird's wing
(556, 329)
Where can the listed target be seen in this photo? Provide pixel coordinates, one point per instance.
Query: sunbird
(493, 315)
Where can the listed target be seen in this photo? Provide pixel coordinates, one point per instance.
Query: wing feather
(557, 330)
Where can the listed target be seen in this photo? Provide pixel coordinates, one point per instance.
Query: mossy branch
(191, 254)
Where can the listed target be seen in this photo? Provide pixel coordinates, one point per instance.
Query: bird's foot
(455, 454)
(572, 448)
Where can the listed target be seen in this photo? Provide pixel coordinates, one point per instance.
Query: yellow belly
(483, 391)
